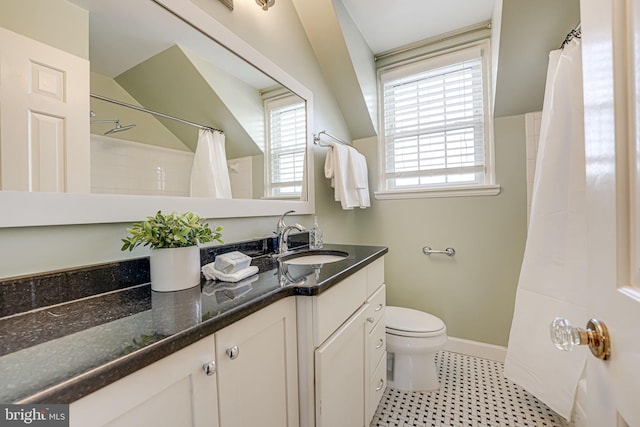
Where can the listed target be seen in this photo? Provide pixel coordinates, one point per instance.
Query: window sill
(462, 191)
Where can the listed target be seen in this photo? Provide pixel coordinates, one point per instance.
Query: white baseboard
(476, 348)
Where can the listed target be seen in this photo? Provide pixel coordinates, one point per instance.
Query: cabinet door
(258, 369)
(341, 371)
(174, 391)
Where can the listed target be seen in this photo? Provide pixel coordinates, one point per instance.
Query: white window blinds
(286, 146)
(434, 122)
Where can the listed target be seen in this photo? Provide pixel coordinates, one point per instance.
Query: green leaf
(172, 230)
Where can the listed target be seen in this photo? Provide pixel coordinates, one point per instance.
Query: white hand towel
(359, 177)
(337, 166)
(208, 270)
(231, 262)
(329, 168)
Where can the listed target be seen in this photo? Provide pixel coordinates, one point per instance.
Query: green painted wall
(473, 292)
(57, 23)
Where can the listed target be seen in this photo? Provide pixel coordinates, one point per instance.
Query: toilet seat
(408, 322)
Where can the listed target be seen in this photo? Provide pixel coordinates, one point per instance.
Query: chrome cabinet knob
(370, 319)
(233, 352)
(380, 343)
(565, 337)
(209, 368)
(380, 385)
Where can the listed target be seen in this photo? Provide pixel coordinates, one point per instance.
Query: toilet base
(412, 364)
(406, 375)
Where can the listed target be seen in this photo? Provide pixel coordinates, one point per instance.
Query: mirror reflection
(158, 85)
(164, 65)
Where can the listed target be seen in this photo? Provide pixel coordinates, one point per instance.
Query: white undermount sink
(314, 256)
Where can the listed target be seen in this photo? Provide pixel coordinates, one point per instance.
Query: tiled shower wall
(124, 167)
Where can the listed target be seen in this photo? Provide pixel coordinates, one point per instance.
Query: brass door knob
(565, 337)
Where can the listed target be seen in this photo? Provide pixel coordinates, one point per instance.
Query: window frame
(421, 63)
(269, 105)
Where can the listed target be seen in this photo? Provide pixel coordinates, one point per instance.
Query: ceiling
(119, 39)
(387, 25)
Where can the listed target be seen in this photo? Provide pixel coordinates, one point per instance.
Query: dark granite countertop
(60, 352)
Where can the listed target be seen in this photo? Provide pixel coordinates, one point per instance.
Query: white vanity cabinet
(253, 381)
(342, 363)
(174, 391)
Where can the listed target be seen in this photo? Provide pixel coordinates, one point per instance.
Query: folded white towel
(207, 271)
(210, 273)
(231, 262)
(337, 169)
(359, 177)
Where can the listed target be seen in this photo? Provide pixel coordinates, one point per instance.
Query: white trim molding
(459, 191)
(476, 348)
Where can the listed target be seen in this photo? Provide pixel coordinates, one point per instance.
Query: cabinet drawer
(377, 345)
(376, 307)
(333, 307)
(377, 384)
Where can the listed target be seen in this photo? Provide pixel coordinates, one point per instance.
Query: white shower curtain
(209, 173)
(553, 274)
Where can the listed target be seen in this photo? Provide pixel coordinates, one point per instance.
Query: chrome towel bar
(316, 139)
(428, 251)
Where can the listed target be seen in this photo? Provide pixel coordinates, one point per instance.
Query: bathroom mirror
(188, 33)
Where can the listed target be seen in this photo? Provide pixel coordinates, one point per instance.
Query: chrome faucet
(281, 225)
(283, 230)
(283, 237)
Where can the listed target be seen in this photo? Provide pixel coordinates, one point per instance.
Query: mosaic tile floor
(474, 393)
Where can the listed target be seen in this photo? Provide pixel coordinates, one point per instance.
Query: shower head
(119, 128)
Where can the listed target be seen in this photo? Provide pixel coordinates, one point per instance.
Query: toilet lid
(410, 320)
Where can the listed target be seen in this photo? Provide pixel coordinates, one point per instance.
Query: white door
(44, 134)
(611, 65)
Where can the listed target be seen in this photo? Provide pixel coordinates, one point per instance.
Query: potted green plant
(175, 255)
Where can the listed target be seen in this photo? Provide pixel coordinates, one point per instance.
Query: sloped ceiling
(154, 83)
(529, 30)
(345, 60)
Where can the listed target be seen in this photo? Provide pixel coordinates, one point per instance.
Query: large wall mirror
(160, 71)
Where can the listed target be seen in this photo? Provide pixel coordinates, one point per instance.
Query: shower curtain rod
(155, 113)
(575, 33)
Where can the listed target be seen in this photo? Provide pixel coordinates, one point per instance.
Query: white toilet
(413, 338)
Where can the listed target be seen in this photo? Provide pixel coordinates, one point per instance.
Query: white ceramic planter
(174, 269)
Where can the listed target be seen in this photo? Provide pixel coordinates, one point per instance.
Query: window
(285, 147)
(435, 125)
